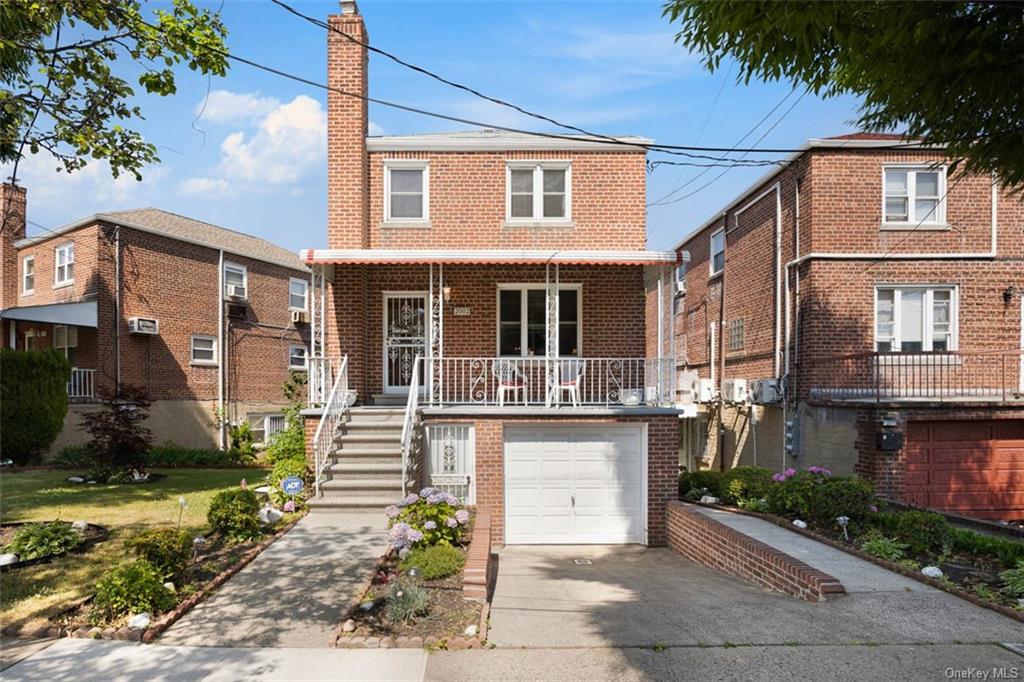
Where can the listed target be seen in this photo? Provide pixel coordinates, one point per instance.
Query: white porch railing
(335, 407)
(412, 407)
(321, 373)
(586, 382)
(82, 384)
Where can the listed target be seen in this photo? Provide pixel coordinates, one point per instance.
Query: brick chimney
(347, 168)
(12, 223)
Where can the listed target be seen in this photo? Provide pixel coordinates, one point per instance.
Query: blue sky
(248, 151)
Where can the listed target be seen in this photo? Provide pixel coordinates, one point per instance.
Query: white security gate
(579, 484)
(405, 338)
(451, 461)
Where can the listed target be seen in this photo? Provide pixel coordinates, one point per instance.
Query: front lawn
(29, 596)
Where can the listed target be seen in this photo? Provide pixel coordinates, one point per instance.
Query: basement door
(405, 338)
(575, 484)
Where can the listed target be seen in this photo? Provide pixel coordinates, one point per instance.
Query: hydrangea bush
(432, 517)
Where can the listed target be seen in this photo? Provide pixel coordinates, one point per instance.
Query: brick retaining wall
(477, 575)
(708, 542)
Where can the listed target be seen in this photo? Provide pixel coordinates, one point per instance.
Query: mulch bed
(93, 534)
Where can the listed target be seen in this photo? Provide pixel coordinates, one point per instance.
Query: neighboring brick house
(884, 293)
(515, 266)
(135, 296)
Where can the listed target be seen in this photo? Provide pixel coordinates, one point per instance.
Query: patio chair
(509, 379)
(570, 372)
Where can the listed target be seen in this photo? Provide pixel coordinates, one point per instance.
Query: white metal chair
(509, 379)
(570, 373)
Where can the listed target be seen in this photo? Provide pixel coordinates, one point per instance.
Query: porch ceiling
(77, 314)
(485, 257)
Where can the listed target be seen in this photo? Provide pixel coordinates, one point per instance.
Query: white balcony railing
(576, 382)
(335, 407)
(320, 378)
(82, 384)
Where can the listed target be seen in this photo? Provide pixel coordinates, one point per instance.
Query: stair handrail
(412, 406)
(334, 410)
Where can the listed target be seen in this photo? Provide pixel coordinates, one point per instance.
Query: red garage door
(974, 468)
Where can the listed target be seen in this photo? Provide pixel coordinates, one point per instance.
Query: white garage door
(574, 484)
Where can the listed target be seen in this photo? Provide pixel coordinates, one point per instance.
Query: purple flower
(872, 508)
(427, 492)
(789, 472)
(462, 516)
(414, 536)
(451, 522)
(451, 499)
(392, 511)
(289, 506)
(435, 498)
(430, 525)
(409, 499)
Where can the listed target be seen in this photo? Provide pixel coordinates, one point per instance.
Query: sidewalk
(291, 595)
(86, 659)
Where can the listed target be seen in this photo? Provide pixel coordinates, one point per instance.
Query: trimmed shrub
(1007, 552)
(33, 402)
(847, 496)
(924, 533)
(794, 496)
(172, 455)
(130, 589)
(35, 540)
(235, 515)
(119, 440)
(745, 482)
(438, 561)
(701, 480)
(168, 549)
(431, 518)
(406, 600)
(283, 469)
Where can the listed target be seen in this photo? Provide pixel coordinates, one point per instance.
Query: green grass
(29, 596)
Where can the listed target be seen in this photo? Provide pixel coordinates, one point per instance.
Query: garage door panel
(1009, 430)
(960, 431)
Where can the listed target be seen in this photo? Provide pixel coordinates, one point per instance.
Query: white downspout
(220, 348)
(117, 306)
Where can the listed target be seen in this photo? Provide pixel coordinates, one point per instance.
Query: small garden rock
(75, 479)
(932, 571)
(139, 621)
(349, 626)
(8, 558)
(80, 526)
(800, 524)
(709, 499)
(471, 631)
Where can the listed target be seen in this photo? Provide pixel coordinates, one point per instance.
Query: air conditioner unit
(704, 390)
(143, 325)
(236, 292)
(734, 390)
(680, 286)
(766, 391)
(300, 317)
(686, 391)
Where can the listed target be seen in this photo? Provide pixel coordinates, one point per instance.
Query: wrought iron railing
(321, 373)
(335, 407)
(938, 376)
(412, 408)
(82, 384)
(551, 382)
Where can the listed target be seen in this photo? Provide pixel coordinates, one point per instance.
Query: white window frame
(237, 267)
(927, 316)
(69, 265)
(938, 220)
(523, 334)
(712, 252)
(25, 262)
(70, 334)
(538, 168)
(305, 293)
(305, 350)
(202, 362)
(407, 164)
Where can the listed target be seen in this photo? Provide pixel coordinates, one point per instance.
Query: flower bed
(416, 595)
(842, 511)
(84, 535)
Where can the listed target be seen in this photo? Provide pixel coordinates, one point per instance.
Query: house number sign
(463, 311)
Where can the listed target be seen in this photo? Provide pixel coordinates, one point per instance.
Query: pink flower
(289, 506)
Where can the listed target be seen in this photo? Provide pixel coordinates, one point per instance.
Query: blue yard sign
(292, 485)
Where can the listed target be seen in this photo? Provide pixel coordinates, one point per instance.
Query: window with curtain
(522, 321)
(915, 319)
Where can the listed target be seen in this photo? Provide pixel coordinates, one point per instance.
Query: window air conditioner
(143, 325)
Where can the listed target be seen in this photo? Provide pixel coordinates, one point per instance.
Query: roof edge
(440, 143)
(476, 256)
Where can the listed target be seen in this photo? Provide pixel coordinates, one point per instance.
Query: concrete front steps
(364, 473)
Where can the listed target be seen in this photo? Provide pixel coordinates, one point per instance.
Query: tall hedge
(33, 402)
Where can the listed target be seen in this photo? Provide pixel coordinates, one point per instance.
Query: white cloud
(223, 106)
(93, 187)
(205, 187)
(374, 129)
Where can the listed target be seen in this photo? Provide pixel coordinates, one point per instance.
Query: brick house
(202, 317)
(880, 296)
(479, 324)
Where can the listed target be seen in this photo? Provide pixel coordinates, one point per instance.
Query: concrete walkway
(85, 659)
(855, 574)
(292, 594)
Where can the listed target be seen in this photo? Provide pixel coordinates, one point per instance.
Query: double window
(407, 192)
(915, 319)
(28, 274)
(204, 350)
(298, 357)
(236, 281)
(717, 261)
(914, 196)
(298, 293)
(538, 192)
(522, 320)
(64, 261)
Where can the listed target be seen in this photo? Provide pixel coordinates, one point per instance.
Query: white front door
(405, 338)
(575, 484)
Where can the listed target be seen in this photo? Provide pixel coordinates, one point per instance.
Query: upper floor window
(915, 319)
(538, 192)
(914, 196)
(64, 260)
(236, 281)
(28, 274)
(717, 251)
(298, 290)
(522, 320)
(406, 192)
